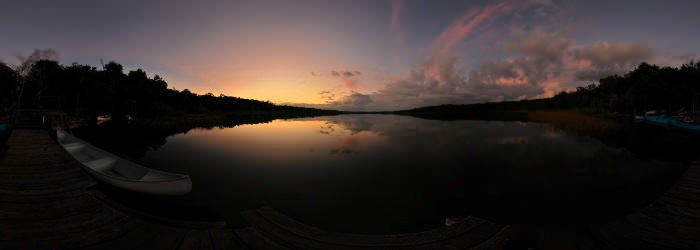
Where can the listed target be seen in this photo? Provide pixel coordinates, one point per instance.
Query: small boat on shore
(658, 119)
(121, 173)
(661, 119)
(685, 125)
(103, 118)
(654, 117)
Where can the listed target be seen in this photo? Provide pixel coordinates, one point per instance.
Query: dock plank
(197, 239)
(255, 240)
(293, 234)
(368, 240)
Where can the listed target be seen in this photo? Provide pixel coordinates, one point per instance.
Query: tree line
(647, 87)
(40, 81)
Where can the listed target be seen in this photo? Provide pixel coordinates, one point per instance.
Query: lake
(397, 174)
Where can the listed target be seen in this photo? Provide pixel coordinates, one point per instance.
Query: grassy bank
(580, 121)
(466, 115)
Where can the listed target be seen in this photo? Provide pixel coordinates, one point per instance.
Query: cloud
(461, 27)
(537, 58)
(532, 62)
(602, 59)
(354, 100)
(327, 96)
(684, 57)
(396, 6)
(537, 64)
(351, 73)
(345, 73)
(398, 43)
(347, 78)
(455, 86)
(349, 83)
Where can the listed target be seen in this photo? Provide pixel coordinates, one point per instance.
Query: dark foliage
(84, 91)
(7, 86)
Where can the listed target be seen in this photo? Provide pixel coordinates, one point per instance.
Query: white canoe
(121, 173)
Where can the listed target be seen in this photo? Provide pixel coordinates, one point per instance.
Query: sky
(360, 54)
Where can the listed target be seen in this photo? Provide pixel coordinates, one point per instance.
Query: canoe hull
(685, 125)
(662, 120)
(181, 186)
(122, 173)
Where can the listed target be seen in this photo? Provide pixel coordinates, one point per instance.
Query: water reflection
(392, 174)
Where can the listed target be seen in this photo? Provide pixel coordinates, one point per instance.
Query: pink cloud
(349, 83)
(396, 6)
(582, 64)
(397, 37)
(460, 28)
(348, 78)
(518, 78)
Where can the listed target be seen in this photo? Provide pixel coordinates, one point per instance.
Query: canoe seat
(73, 147)
(154, 177)
(102, 164)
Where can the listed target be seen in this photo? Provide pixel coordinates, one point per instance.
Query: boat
(451, 221)
(685, 124)
(658, 119)
(122, 173)
(661, 119)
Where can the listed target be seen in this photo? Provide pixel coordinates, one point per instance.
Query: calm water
(394, 174)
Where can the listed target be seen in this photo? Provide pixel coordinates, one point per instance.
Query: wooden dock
(671, 222)
(272, 229)
(48, 202)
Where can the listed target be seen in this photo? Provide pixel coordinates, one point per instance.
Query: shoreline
(579, 121)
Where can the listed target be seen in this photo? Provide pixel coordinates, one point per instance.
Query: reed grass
(575, 121)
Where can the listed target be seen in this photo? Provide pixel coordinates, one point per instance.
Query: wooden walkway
(671, 222)
(48, 202)
(274, 230)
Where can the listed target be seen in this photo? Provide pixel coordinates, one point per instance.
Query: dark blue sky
(387, 54)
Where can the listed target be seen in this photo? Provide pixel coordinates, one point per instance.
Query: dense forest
(39, 81)
(647, 87)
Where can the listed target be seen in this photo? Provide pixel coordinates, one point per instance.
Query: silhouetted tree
(25, 66)
(80, 90)
(41, 77)
(87, 92)
(7, 86)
